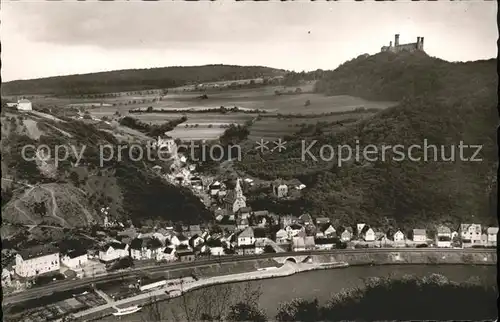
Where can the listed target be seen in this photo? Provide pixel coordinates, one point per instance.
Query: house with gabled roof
(325, 230)
(37, 260)
(113, 251)
(306, 219)
(282, 237)
(166, 254)
(246, 237)
(492, 233)
(443, 236)
(470, 233)
(419, 235)
(293, 230)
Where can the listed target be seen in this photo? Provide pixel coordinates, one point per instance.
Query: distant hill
(135, 79)
(72, 196)
(440, 101)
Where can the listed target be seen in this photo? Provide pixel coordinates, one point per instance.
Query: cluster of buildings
(22, 105)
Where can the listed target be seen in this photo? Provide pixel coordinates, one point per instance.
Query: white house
(302, 243)
(470, 233)
(443, 237)
(24, 105)
(281, 236)
(419, 235)
(75, 259)
(113, 251)
(346, 236)
(399, 236)
(359, 228)
(293, 230)
(326, 230)
(369, 235)
(37, 260)
(492, 235)
(196, 241)
(145, 248)
(324, 243)
(166, 254)
(246, 237)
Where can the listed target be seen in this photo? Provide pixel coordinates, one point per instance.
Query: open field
(270, 128)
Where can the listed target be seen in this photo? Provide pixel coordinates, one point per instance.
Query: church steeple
(237, 189)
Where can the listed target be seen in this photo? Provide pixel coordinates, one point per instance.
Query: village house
(419, 235)
(324, 243)
(359, 229)
(36, 261)
(242, 224)
(185, 253)
(113, 251)
(470, 233)
(288, 220)
(246, 249)
(24, 105)
(368, 234)
(322, 220)
(346, 235)
(492, 233)
(306, 219)
(214, 188)
(301, 242)
(280, 189)
(443, 236)
(243, 213)
(260, 246)
(215, 246)
(166, 254)
(325, 230)
(293, 230)
(195, 241)
(234, 200)
(282, 237)
(246, 237)
(399, 237)
(75, 259)
(144, 248)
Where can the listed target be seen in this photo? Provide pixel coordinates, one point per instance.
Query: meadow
(273, 99)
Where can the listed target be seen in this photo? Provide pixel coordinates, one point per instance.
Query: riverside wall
(390, 257)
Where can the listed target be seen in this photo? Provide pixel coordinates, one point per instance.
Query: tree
(307, 103)
(149, 109)
(298, 90)
(246, 312)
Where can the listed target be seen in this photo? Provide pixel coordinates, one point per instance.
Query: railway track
(62, 286)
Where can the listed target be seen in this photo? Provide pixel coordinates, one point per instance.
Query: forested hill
(441, 102)
(135, 79)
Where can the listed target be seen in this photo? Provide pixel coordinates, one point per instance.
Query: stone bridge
(294, 259)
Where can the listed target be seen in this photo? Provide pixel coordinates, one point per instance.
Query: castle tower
(396, 40)
(421, 43)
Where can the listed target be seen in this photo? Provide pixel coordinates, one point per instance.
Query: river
(321, 284)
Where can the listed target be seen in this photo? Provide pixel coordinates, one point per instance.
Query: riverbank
(170, 292)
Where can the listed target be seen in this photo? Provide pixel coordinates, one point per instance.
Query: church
(234, 200)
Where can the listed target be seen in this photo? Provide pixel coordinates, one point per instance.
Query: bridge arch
(291, 259)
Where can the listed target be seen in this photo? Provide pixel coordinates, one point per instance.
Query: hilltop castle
(419, 45)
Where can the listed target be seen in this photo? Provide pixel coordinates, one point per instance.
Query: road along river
(322, 284)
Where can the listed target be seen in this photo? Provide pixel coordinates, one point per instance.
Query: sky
(42, 39)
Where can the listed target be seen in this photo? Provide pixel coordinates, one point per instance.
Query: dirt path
(54, 207)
